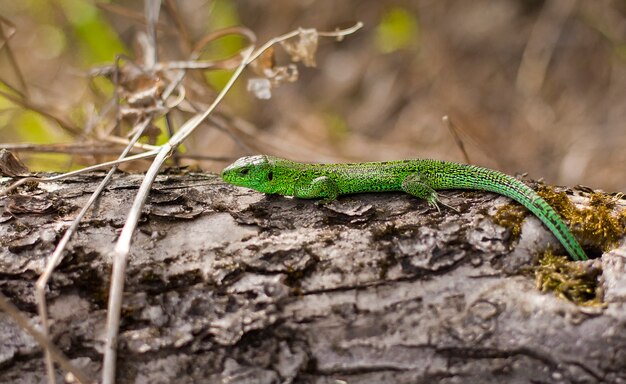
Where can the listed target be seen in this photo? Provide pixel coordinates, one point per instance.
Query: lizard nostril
(270, 176)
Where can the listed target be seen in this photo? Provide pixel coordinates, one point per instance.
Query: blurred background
(530, 86)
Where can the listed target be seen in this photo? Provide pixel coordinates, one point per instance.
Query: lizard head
(254, 172)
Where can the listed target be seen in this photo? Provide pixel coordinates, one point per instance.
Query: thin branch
(27, 104)
(171, 9)
(340, 33)
(79, 171)
(13, 63)
(79, 149)
(151, 10)
(55, 258)
(63, 148)
(457, 139)
(125, 12)
(124, 141)
(122, 247)
(55, 352)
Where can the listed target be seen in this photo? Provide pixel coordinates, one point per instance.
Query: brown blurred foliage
(532, 86)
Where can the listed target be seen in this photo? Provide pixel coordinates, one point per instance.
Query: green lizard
(419, 178)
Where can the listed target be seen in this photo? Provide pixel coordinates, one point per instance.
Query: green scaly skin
(421, 178)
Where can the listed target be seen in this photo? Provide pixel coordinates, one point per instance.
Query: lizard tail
(474, 177)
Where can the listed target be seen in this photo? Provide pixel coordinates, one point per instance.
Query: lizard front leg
(414, 185)
(320, 187)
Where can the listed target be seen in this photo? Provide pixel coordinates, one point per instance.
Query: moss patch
(596, 226)
(511, 216)
(569, 280)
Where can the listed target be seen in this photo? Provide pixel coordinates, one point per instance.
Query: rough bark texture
(228, 285)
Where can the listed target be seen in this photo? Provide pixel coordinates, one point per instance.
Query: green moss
(511, 216)
(597, 226)
(569, 280)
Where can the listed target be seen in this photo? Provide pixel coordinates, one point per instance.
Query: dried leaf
(10, 165)
(28, 204)
(282, 74)
(260, 87)
(305, 48)
(266, 61)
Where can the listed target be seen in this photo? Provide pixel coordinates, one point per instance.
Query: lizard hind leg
(414, 185)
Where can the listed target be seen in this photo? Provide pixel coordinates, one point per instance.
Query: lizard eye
(244, 171)
(270, 176)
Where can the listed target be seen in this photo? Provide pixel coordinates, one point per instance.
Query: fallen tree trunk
(228, 285)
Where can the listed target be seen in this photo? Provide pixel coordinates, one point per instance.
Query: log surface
(228, 285)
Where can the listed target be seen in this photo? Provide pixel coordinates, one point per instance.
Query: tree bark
(228, 285)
